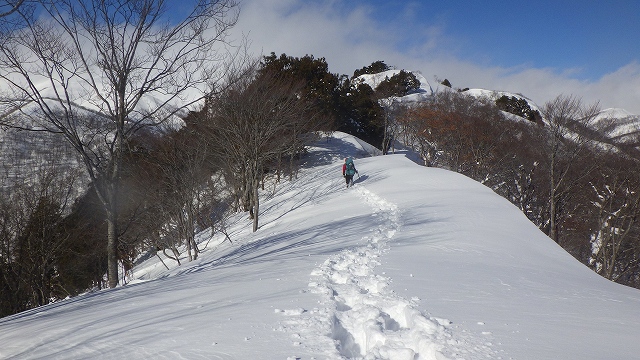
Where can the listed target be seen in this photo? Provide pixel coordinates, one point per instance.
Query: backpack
(351, 169)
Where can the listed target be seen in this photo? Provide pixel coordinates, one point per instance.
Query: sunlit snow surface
(410, 263)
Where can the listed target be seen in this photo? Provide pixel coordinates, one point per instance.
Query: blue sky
(589, 49)
(589, 38)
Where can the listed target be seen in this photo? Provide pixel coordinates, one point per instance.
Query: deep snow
(410, 263)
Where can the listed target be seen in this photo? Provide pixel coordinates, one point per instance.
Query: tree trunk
(553, 233)
(112, 250)
(553, 185)
(256, 205)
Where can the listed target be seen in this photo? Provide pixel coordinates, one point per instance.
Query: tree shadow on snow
(324, 239)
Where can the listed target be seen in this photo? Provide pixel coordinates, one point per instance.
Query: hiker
(348, 170)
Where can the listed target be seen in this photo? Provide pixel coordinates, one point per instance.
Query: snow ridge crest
(367, 320)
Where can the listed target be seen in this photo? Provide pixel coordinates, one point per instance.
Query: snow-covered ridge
(364, 316)
(494, 95)
(615, 113)
(411, 263)
(619, 125)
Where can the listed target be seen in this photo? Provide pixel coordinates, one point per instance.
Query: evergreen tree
(347, 107)
(517, 106)
(320, 86)
(375, 68)
(360, 112)
(400, 84)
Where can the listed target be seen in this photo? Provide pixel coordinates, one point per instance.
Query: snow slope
(410, 263)
(624, 127)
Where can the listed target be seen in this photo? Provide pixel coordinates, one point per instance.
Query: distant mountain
(620, 126)
(616, 127)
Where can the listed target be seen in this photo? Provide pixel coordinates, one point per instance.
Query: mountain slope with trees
(566, 165)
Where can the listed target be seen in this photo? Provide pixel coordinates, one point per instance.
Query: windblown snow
(410, 263)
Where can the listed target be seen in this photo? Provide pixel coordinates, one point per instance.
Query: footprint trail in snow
(363, 318)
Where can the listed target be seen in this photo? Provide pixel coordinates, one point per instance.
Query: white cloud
(350, 38)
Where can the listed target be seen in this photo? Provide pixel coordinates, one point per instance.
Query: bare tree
(563, 147)
(31, 248)
(257, 122)
(615, 209)
(99, 71)
(423, 129)
(186, 188)
(456, 131)
(8, 7)
(392, 111)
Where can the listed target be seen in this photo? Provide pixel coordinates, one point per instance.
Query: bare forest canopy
(560, 164)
